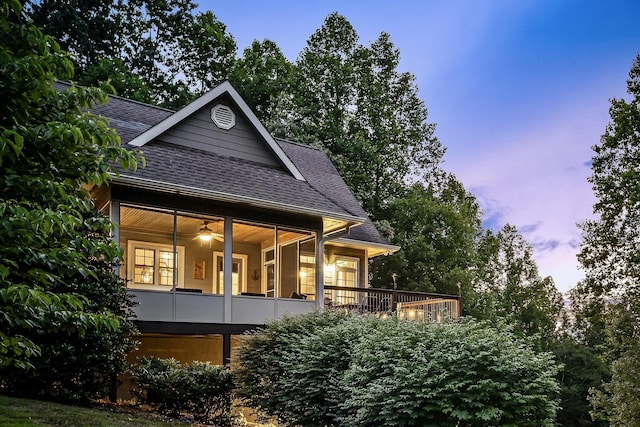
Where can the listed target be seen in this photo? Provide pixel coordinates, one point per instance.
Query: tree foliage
(87, 29)
(582, 370)
(509, 287)
(437, 229)
(340, 369)
(172, 54)
(352, 101)
(262, 75)
(53, 243)
(610, 255)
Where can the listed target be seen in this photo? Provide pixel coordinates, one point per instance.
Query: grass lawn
(26, 413)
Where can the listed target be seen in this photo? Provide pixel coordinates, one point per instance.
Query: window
(238, 273)
(153, 265)
(346, 271)
(343, 273)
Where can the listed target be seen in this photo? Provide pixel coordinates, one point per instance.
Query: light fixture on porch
(207, 235)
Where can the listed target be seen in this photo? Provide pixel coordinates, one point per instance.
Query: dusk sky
(519, 91)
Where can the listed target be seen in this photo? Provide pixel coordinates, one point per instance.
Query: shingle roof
(232, 177)
(324, 191)
(322, 175)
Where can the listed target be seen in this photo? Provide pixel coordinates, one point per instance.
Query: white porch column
(319, 270)
(228, 267)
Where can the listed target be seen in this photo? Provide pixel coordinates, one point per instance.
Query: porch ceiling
(157, 222)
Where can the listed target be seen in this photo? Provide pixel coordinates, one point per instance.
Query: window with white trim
(346, 271)
(154, 265)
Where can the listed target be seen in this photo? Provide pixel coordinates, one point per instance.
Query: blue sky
(519, 90)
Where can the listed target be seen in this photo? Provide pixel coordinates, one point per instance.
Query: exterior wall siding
(241, 141)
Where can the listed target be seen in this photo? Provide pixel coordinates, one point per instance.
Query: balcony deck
(405, 304)
(183, 306)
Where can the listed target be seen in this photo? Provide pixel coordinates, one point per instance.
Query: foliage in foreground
(200, 388)
(339, 369)
(65, 327)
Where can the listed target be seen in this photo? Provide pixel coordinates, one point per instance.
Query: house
(227, 227)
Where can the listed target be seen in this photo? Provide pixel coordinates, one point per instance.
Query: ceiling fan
(206, 234)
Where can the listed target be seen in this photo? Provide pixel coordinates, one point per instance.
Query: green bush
(200, 389)
(337, 369)
(292, 369)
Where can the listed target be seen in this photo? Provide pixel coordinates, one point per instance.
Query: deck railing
(407, 305)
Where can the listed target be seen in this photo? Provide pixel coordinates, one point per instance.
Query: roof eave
(149, 184)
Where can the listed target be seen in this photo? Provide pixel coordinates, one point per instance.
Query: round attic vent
(223, 117)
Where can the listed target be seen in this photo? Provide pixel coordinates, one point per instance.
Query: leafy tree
(124, 82)
(324, 86)
(610, 253)
(512, 289)
(262, 75)
(29, 309)
(331, 368)
(586, 317)
(390, 140)
(206, 53)
(172, 54)
(582, 370)
(53, 244)
(86, 28)
(151, 31)
(437, 230)
(618, 401)
(352, 101)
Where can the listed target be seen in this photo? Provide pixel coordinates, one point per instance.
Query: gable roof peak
(186, 111)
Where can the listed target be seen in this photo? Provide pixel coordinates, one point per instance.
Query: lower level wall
(183, 348)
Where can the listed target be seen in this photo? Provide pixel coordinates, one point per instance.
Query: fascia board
(199, 103)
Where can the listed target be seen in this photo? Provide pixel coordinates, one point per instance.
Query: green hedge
(200, 389)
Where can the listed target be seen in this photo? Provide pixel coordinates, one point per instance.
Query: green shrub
(200, 389)
(292, 369)
(455, 374)
(337, 369)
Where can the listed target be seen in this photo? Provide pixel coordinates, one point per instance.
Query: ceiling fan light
(205, 234)
(205, 237)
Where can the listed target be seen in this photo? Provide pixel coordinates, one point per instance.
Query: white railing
(432, 310)
(406, 304)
